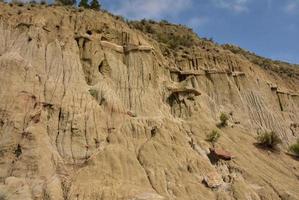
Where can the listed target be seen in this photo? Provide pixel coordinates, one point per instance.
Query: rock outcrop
(92, 108)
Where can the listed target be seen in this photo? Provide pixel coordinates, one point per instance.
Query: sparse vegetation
(268, 140)
(295, 148)
(283, 68)
(173, 36)
(174, 41)
(223, 120)
(213, 137)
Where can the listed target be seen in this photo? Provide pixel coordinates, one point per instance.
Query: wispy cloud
(292, 7)
(197, 22)
(137, 9)
(238, 6)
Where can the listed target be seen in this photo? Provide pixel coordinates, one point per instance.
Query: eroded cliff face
(93, 109)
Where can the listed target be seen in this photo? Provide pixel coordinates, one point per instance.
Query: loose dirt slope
(94, 108)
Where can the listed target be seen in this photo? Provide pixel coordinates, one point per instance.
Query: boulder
(221, 153)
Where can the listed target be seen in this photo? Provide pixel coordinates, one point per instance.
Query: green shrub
(295, 148)
(119, 17)
(152, 21)
(208, 39)
(17, 2)
(32, 2)
(66, 2)
(269, 139)
(93, 93)
(213, 137)
(223, 119)
(164, 21)
(95, 4)
(84, 4)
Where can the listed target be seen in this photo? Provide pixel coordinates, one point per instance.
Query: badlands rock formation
(92, 108)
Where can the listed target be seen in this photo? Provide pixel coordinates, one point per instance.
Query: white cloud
(238, 6)
(197, 22)
(138, 9)
(292, 7)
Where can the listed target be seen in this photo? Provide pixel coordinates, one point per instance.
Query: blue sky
(267, 27)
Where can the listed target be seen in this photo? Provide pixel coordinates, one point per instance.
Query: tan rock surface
(86, 113)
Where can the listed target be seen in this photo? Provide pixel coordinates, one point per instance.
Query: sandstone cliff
(94, 108)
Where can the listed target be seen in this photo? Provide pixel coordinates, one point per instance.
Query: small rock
(213, 180)
(131, 114)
